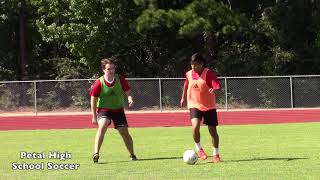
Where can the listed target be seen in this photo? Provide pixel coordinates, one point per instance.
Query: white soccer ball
(190, 157)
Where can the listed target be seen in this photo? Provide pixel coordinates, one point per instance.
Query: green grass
(282, 151)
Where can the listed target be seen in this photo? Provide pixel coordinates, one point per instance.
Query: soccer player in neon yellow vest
(200, 93)
(107, 102)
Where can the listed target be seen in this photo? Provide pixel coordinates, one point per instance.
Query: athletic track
(158, 119)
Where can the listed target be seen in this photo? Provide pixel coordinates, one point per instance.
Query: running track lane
(164, 119)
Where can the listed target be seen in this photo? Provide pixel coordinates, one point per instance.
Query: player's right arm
(95, 92)
(94, 109)
(184, 93)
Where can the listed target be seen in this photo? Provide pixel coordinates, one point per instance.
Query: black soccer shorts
(209, 117)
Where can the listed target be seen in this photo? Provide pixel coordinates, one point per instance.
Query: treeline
(65, 39)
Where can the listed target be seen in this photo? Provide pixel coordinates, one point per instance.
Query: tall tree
(9, 49)
(90, 30)
(23, 59)
(200, 26)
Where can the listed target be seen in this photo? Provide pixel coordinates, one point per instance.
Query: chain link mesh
(17, 97)
(145, 94)
(63, 95)
(306, 92)
(259, 93)
(162, 94)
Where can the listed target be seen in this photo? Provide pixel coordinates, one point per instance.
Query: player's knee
(123, 131)
(213, 131)
(103, 122)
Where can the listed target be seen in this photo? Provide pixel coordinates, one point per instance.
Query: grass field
(279, 151)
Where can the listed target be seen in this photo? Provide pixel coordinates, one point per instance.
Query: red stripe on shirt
(96, 90)
(211, 79)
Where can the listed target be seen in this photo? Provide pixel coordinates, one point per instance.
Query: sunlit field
(281, 151)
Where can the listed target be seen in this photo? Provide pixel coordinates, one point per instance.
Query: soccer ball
(190, 157)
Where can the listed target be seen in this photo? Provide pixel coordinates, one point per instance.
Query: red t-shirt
(96, 90)
(211, 79)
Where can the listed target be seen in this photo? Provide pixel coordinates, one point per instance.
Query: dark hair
(105, 61)
(197, 57)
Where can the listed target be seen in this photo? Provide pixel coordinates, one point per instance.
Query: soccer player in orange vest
(199, 91)
(107, 102)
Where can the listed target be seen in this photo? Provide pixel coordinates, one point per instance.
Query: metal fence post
(160, 94)
(291, 92)
(35, 97)
(226, 93)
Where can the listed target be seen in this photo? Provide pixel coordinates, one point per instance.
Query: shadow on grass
(141, 159)
(158, 158)
(208, 160)
(265, 159)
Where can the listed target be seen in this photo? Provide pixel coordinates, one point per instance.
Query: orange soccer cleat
(216, 159)
(202, 154)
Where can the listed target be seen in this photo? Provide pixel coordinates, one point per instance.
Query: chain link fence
(162, 94)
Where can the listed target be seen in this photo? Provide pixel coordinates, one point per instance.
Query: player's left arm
(127, 90)
(213, 82)
(130, 100)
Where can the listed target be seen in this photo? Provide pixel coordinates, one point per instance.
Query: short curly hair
(197, 57)
(111, 60)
